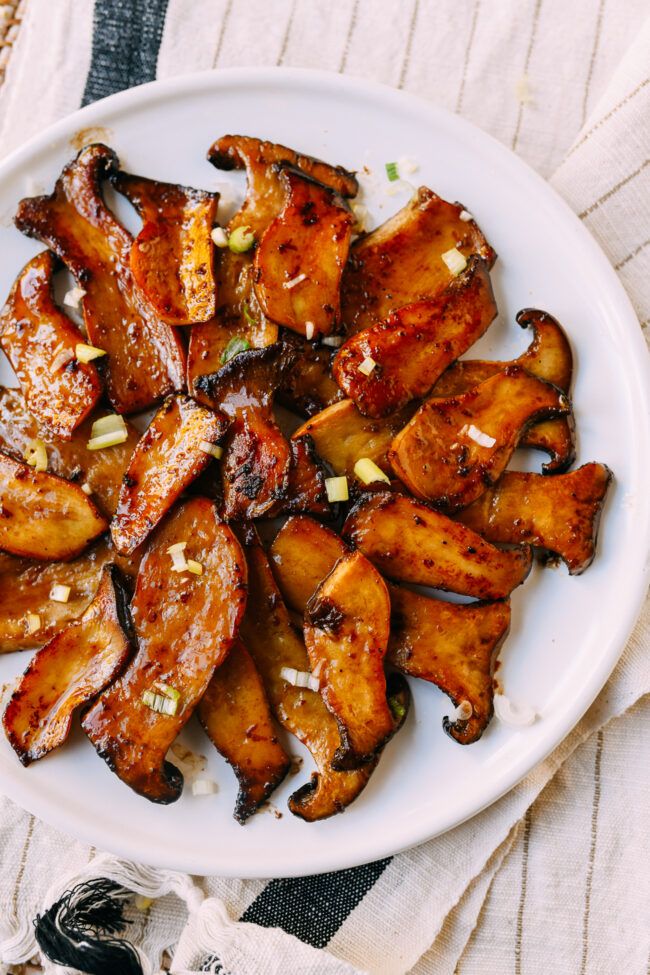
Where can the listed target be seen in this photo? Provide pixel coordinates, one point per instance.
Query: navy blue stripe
(126, 41)
(314, 908)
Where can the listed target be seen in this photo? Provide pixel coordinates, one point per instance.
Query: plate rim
(155, 91)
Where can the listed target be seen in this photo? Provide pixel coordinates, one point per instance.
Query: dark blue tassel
(76, 930)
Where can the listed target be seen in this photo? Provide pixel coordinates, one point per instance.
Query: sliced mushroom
(308, 386)
(410, 542)
(301, 255)
(42, 516)
(238, 323)
(548, 357)
(171, 258)
(451, 645)
(29, 617)
(453, 449)
(303, 553)
(346, 631)
(41, 345)
(70, 670)
(306, 486)
(171, 454)
(560, 514)
(265, 194)
(185, 625)
(99, 471)
(239, 315)
(401, 261)
(275, 645)
(257, 459)
(342, 435)
(145, 360)
(235, 715)
(385, 366)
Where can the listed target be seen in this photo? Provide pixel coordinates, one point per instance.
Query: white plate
(567, 633)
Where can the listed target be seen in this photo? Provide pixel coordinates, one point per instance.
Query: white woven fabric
(554, 876)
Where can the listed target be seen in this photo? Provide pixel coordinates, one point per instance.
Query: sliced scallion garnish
(234, 347)
(455, 261)
(219, 237)
(241, 240)
(367, 471)
(161, 698)
(33, 622)
(112, 423)
(86, 353)
(179, 562)
(213, 449)
(107, 440)
(392, 171)
(60, 593)
(337, 489)
(367, 365)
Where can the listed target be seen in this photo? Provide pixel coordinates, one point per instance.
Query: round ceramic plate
(567, 633)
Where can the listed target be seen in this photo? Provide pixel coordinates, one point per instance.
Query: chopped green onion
(177, 547)
(107, 440)
(33, 622)
(86, 353)
(241, 240)
(211, 448)
(179, 563)
(248, 316)
(194, 567)
(164, 703)
(397, 708)
(455, 261)
(337, 489)
(392, 171)
(367, 365)
(60, 594)
(367, 471)
(168, 690)
(36, 455)
(204, 787)
(219, 237)
(234, 347)
(108, 424)
(299, 678)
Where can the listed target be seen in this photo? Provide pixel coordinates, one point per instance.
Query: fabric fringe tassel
(83, 913)
(77, 930)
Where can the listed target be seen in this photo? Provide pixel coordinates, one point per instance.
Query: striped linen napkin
(553, 877)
